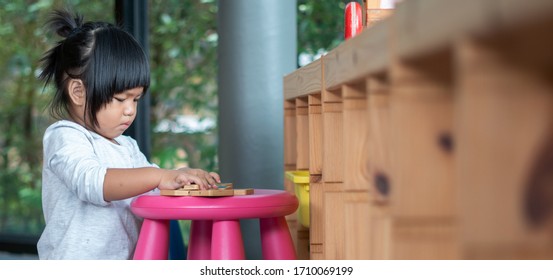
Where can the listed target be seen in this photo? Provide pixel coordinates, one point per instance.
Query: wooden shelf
(427, 135)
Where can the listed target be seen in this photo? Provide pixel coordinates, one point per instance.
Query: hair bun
(75, 30)
(64, 23)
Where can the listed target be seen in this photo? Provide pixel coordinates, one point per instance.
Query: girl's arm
(122, 183)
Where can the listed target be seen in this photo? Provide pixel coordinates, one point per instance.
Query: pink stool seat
(215, 229)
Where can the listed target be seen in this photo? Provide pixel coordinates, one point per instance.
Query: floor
(12, 256)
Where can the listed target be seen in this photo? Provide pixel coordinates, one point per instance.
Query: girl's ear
(77, 92)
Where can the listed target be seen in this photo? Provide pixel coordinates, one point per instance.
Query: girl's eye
(119, 99)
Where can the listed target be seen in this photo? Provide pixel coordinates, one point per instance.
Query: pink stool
(215, 228)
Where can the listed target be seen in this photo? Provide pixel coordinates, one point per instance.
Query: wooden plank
(316, 223)
(358, 57)
(378, 119)
(424, 239)
(316, 252)
(355, 138)
(319, 228)
(357, 227)
(302, 133)
(380, 224)
(346, 220)
(315, 135)
(505, 119)
(290, 134)
(421, 112)
(331, 77)
(290, 86)
(302, 247)
(425, 26)
(514, 13)
(310, 78)
(334, 230)
(333, 164)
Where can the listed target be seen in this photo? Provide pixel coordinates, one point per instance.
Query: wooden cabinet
(429, 135)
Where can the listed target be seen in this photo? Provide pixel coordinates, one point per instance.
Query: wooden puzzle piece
(194, 187)
(194, 190)
(243, 191)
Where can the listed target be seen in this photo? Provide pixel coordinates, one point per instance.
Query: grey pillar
(257, 47)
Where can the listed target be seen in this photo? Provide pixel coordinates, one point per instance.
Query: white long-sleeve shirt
(80, 224)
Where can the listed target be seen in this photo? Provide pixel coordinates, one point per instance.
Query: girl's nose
(129, 110)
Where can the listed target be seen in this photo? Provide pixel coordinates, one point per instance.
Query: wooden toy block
(243, 191)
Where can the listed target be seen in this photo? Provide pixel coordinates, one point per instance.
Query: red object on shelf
(353, 20)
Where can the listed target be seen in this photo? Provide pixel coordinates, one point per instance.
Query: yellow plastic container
(301, 183)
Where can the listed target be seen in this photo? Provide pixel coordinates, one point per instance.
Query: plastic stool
(215, 228)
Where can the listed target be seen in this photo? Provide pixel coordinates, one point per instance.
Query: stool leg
(199, 244)
(153, 241)
(276, 242)
(226, 243)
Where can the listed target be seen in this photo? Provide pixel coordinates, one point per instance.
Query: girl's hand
(174, 179)
(209, 180)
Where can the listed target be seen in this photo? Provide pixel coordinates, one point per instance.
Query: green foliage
(183, 50)
(320, 26)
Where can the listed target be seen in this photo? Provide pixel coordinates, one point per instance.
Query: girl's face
(118, 115)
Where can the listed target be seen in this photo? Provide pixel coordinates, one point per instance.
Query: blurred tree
(320, 27)
(183, 49)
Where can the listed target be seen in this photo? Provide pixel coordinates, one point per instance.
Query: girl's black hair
(106, 58)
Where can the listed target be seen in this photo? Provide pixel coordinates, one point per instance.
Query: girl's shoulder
(65, 134)
(65, 123)
(65, 126)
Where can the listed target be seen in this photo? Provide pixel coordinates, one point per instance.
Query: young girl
(91, 171)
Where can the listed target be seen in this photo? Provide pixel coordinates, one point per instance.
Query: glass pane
(23, 111)
(183, 50)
